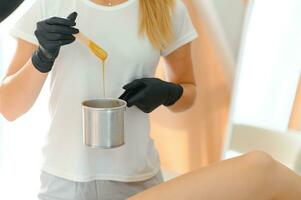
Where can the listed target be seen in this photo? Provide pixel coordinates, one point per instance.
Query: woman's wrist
(186, 100)
(175, 92)
(41, 62)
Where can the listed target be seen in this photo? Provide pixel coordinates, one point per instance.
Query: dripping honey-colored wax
(98, 51)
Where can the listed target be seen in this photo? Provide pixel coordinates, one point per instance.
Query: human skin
(22, 83)
(252, 176)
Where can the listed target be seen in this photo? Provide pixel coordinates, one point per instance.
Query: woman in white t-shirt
(135, 33)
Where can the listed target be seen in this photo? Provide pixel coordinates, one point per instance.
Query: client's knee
(259, 161)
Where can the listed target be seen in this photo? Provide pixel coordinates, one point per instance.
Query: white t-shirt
(76, 76)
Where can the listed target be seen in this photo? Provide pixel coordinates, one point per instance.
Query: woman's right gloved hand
(52, 33)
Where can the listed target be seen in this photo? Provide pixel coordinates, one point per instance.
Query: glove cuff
(175, 92)
(40, 62)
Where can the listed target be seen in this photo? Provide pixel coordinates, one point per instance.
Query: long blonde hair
(156, 21)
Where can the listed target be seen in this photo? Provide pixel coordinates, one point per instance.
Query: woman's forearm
(252, 176)
(19, 91)
(186, 100)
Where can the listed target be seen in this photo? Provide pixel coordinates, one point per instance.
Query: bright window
(270, 65)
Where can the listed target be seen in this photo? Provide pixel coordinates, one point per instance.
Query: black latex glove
(7, 7)
(149, 93)
(53, 33)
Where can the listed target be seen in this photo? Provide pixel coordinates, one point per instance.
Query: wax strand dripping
(100, 53)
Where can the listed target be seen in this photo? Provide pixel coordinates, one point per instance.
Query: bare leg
(252, 176)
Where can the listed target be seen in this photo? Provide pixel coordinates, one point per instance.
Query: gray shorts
(55, 188)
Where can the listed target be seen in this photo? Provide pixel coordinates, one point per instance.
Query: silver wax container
(103, 123)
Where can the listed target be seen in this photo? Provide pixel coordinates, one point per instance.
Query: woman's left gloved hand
(149, 93)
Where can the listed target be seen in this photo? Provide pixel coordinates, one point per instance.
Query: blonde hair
(156, 21)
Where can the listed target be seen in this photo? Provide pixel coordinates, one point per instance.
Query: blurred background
(247, 65)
